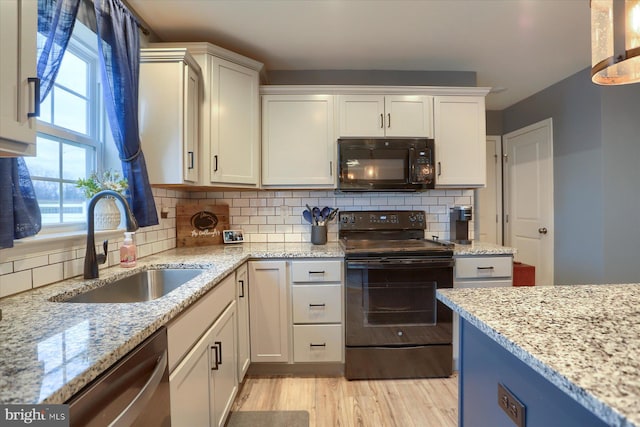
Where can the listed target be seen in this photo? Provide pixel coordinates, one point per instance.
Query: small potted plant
(107, 213)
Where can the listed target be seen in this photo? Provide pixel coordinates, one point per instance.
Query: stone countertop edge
(482, 248)
(597, 406)
(34, 324)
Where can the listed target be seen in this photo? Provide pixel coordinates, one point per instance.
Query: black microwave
(386, 164)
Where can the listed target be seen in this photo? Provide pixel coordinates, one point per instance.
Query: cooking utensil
(307, 216)
(325, 213)
(316, 215)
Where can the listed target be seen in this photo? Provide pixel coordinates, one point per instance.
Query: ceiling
(517, 47)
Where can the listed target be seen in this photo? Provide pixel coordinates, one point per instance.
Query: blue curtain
(20, 214)
(119, 45)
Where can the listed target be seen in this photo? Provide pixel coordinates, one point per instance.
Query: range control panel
(382, 220)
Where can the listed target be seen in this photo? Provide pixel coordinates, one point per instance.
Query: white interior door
(528, 166)
(489, 199)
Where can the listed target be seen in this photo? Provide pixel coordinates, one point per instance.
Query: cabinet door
(234, 139)
(244, 358)
(189, 387)
(223, 368)
(191, 123)
(361, 115)
(409, 116)
(268, 311)
(298, 140)
(460, 141)
(169, 109)
(18, 29)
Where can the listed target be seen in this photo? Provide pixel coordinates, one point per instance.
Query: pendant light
(615, 41)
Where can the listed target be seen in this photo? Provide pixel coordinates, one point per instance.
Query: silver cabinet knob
(542, 230)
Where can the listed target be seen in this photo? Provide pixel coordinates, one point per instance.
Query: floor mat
(268, 419)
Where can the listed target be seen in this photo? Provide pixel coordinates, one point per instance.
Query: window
(71, 134)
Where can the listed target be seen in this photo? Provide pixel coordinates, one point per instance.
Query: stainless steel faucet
(91, 260)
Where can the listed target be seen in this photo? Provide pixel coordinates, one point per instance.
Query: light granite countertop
(476, 248)
(585, 339)
(50, 350)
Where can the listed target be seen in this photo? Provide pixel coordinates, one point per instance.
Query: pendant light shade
(615, 41)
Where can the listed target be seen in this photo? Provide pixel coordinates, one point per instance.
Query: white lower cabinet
(316, 301)
(204, 382)
(242, 297)
(484, 271)
(268, 311)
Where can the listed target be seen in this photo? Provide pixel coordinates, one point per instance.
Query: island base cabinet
(484, 364)
(204, 384)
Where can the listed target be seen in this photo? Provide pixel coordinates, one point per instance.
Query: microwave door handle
(412, 166)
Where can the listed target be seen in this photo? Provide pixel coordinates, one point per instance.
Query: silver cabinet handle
(137, 405)
(542, 230)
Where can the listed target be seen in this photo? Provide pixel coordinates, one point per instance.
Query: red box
(523, 274)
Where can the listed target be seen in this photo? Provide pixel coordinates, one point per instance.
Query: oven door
(393, 301)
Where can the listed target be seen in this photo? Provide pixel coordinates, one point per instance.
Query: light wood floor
(334, 401)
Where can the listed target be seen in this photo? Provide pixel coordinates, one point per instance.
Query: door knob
(542, 230)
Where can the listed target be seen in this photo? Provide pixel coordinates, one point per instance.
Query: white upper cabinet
(18, 77)
(230, 118)
(234, 132)
(388, 115)
(460, 139)
(169, 115)
(298, 141)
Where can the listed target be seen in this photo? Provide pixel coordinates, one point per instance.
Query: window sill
(50, 242)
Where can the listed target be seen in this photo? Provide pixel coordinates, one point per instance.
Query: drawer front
(317, 343)
(317, 304)
(316, 271)
(483, 267)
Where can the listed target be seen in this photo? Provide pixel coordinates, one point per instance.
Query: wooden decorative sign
(200, 224)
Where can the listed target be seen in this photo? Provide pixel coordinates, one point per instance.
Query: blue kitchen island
(569, 354)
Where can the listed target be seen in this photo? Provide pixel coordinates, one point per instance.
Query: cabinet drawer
(184, 331)
(483, 267)
(317, 343)
(316, 271)
(317, 304)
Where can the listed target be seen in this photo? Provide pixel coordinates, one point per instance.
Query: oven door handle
(400, 263)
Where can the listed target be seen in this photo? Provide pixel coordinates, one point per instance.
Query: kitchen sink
(139, 287)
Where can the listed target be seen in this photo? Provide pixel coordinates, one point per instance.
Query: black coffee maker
(459, 217)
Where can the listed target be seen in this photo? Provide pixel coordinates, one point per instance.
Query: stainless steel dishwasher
(134, 392)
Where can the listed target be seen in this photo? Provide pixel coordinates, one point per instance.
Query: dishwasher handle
(133, 410)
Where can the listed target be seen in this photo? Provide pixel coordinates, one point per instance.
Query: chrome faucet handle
(102, 258)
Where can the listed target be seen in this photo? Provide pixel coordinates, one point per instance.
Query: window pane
(45, 109)
(70, 111)
(47, 162)
(74, 161)
(74, 204)
(48, 194)
(73, 73)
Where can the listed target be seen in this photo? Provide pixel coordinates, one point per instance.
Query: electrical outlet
(511, 406)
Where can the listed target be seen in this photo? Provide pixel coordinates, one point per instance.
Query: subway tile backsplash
(276, 216)
(264, 216)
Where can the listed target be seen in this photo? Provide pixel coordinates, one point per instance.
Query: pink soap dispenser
(128, 251)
